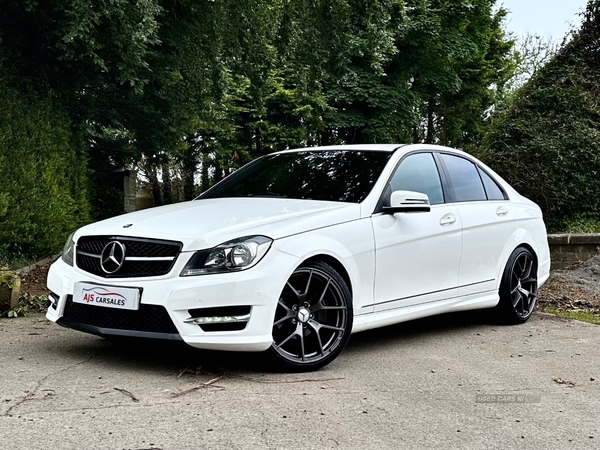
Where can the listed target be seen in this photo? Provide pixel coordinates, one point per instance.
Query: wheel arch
(337, 265)
(521, 238)
(531, 249)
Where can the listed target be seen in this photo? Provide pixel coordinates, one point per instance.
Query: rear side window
(419, 173)
(465, 179)
(492, 189)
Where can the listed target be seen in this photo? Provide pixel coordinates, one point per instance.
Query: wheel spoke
(514, 277)
(308, 283)
(317, 327)
(521, 266)
(329, 327)
(515, 299)
(296, 293)
(321, 307)
(290, 315)
(527, 272)
(320, 302)
(284, 306)
(526, 303)
(300, 332)
(294, 333)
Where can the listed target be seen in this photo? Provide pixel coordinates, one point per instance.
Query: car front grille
(142, 257)
(148, 318)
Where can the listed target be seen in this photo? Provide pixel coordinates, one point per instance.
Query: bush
(43, 172)
(547, 142)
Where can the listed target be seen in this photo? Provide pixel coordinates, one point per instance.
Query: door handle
(448, 219)
(501, 211)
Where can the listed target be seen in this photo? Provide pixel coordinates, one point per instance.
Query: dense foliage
(43, 179)
(546, 142)
(185, 90)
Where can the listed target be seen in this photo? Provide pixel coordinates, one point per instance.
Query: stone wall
(129, 189)
(568, 249)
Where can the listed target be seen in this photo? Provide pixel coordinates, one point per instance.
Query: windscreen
(332, 175)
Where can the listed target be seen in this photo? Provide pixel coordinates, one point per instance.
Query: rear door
(489, 222)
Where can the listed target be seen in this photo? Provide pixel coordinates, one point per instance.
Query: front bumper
(258, 287)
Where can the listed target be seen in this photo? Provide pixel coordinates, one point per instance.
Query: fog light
(217, 319)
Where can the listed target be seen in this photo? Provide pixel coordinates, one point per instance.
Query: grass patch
(582, 316)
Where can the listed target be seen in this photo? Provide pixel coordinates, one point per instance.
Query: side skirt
(404, 314)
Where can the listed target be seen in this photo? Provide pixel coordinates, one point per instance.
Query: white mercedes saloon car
(298, 249)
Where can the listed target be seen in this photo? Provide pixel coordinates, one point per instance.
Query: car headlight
(232, 256)
(67, 253)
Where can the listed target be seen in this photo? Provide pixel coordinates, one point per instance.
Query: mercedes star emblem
(303, 315)
(113, 257)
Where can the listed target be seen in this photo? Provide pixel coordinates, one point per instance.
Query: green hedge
(547, 142)
(43, 173)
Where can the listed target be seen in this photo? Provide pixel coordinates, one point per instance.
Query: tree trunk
(218, 171)
(257, 139)
(167, 189)
(154, 185)
(204, 181)
(189, 170)
(430, 121)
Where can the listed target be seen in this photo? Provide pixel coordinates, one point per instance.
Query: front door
(417, 254)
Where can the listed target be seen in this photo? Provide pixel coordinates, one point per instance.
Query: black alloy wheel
(518, 289)
(313, 319)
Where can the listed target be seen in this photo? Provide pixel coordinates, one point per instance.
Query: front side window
(465, 179)
(419, 173)
(331, 175)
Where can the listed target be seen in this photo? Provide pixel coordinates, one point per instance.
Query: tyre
(313, 319)
(518, 288)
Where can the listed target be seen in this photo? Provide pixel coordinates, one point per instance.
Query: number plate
(107, 296)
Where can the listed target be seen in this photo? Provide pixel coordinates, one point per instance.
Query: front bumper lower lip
(111, 332)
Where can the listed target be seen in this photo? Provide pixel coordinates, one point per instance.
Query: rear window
(465, 179)
(492, 189)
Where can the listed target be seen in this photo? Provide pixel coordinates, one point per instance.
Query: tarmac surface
(453, 381)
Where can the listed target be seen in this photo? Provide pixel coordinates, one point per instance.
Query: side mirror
(407, 201)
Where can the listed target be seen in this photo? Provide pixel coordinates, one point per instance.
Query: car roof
(356, 147)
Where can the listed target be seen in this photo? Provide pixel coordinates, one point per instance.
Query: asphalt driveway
(453, 381)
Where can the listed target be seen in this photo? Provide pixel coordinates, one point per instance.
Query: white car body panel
(485, 237)
(400, 267)
(417, 254)
(340, 242)
(206, 223)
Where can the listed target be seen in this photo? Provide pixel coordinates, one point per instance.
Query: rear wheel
(518, 289)
(313, 319)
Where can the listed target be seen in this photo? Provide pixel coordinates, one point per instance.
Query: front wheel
(313, 319)
(518, 288)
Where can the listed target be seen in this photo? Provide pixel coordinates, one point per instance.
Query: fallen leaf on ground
(565, 382)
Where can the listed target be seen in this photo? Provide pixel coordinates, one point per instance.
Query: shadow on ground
(165, 356)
